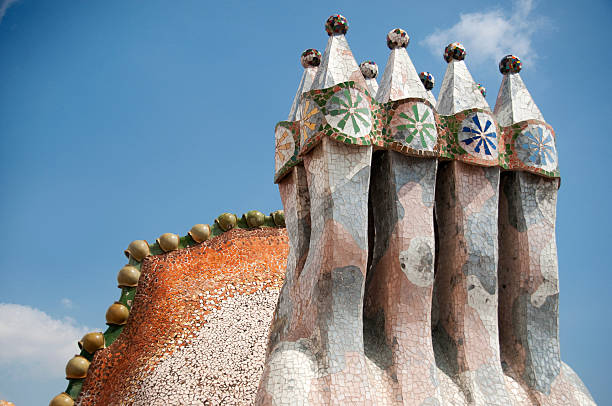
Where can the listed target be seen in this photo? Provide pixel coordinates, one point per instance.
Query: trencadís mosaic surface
(422, 264)
(348, 112)
(418, 265)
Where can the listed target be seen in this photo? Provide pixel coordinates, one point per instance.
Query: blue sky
(125, 120)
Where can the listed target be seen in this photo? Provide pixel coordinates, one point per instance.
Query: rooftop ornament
(92, 342)
(128, 276)
(454, 51)
(254, 218)
(117, 314)
(311, 58)
(62, 400)
(138, 249)
(482, 89)
(397, 38)
(336, 25)
(168, 242)
(226, 221)
(427, 79)
(510, 64)
(200, 232)
(77, 367)
(279, 217)
(369, 69)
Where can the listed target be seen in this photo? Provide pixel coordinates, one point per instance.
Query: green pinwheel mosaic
(415, 127)
(348, 111)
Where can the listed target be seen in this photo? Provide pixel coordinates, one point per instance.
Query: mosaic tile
(348, 111)
(479, 136)
(305, 85)
(466, 279)
(528, 270)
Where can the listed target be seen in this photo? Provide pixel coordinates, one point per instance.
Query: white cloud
(35, 344)
(4, 5)
(67, 303)
(489, 35)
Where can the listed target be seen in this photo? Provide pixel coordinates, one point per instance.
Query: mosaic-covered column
(290, 175)
(293, 187)
(334, 273)
(296, 203)
(528, 271)
(321, 360)
(400, 278)
(466, 210)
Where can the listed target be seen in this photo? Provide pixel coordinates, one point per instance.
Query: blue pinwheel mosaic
(535, 146)
(478, 136)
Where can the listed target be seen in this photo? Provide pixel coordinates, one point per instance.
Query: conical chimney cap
(400, 79)
(338, 64)
(459, 91)
(514, 102)
(310, 60)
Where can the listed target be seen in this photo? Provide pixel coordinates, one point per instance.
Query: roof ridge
(118, 313)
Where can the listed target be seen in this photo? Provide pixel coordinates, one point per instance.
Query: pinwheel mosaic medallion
(478, 136)
(348, 111)
(285, 146)
(414, 126)
(311, 119)
(535, 146)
